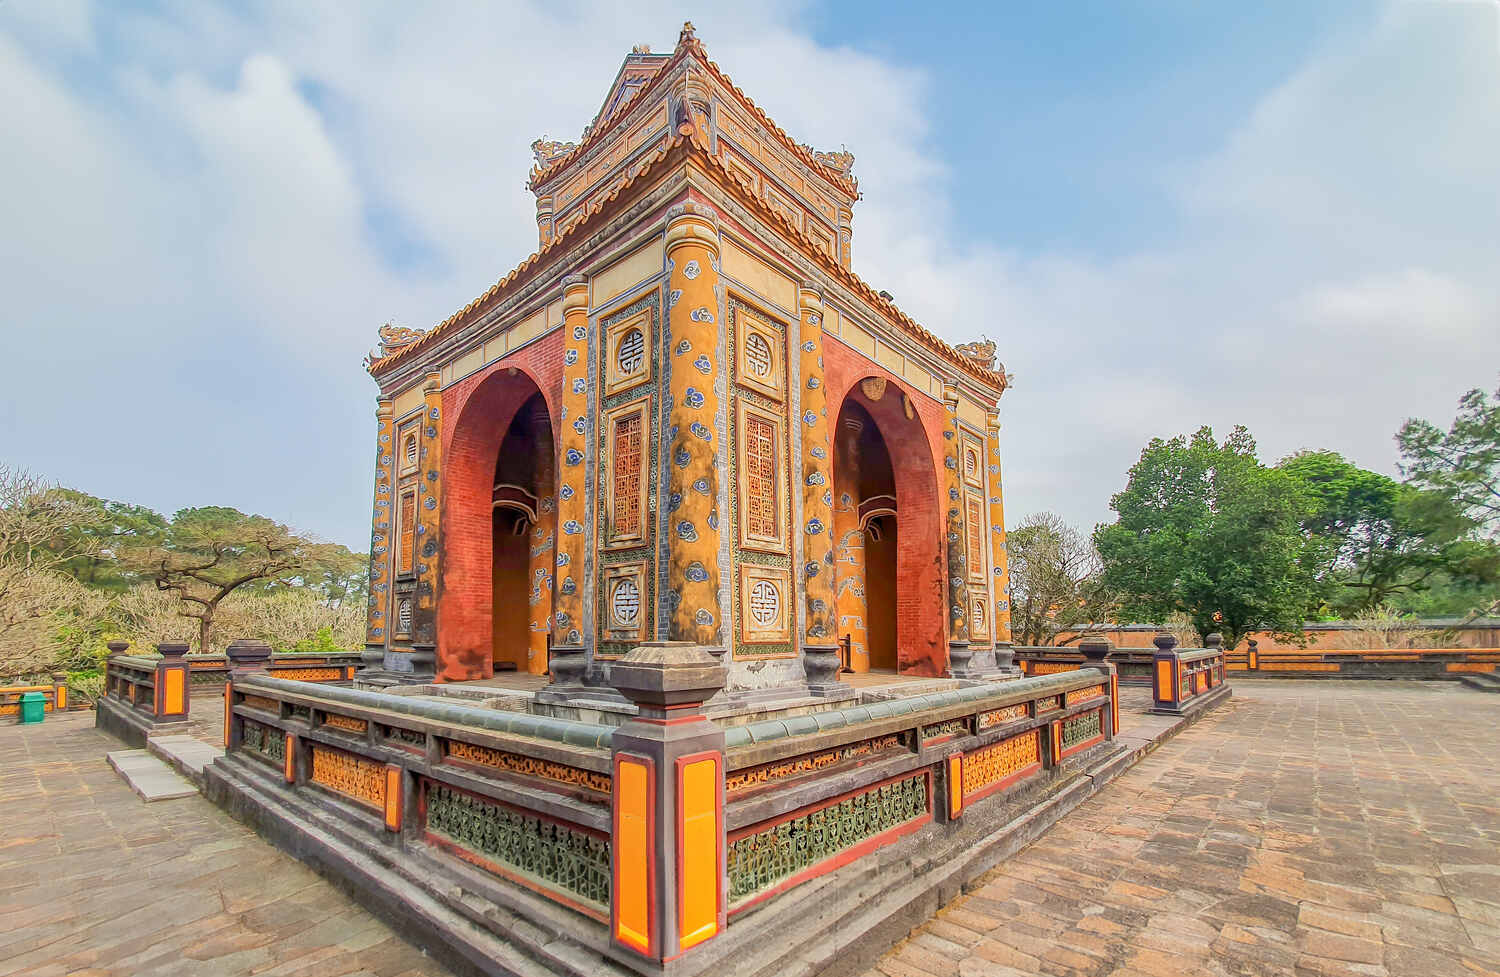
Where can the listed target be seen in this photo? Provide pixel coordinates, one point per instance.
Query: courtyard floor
(1302, 828)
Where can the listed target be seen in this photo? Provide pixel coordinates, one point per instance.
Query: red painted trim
(682, 762)
(511, 875)
(653, 838)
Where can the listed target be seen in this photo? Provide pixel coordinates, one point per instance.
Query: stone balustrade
(55, 694)
(1186, 681)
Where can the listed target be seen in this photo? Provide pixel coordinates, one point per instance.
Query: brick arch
(916, 459)
(477, 413)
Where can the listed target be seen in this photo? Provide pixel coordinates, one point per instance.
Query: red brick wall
(921, 638)
(477, 412)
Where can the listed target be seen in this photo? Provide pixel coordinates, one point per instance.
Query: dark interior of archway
(880, 591)
(511, 532)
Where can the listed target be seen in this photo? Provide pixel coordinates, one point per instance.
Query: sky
(1166, 213)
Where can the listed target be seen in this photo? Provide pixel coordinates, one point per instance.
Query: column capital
(385, 409)
(992, 421)
(575, 294)
(433, 381)
(692, 223)
(810, 301)
(950, 394)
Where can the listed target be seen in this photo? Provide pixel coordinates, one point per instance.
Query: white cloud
(204, 241)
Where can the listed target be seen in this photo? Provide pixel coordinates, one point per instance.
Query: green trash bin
(33, 706)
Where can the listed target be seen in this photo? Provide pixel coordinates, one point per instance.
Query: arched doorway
(520, 582)
(887, 563)
(499, 530)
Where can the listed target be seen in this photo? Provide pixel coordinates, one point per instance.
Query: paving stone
(149, 777)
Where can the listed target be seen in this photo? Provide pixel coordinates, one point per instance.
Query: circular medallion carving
(765, 603)
(625, 602)
(758, 355)
(632, 353)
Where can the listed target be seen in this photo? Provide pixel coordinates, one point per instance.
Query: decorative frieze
(997, 763)
(568, 861)
(527, 766)
(347, 723)
(1082, 728)
(762, 859)
(358, 778)
(1005, 714)
(768, 773)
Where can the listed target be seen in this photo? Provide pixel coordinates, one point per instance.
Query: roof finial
(641, 49)
(687, 33)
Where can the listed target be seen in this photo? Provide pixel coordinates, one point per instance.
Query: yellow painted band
(633, 855)
(701, 837)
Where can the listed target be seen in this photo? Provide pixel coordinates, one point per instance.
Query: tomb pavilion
(688, 648)
(685, 418)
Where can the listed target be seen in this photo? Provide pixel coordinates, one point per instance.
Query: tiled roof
(691, 145)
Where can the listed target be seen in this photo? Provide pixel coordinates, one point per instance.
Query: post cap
(172, 649)
(668, 675)
(1096, 648)
(1164, 642)
(117, 647)
(248, 653)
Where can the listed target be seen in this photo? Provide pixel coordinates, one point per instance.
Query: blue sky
(1167, 214)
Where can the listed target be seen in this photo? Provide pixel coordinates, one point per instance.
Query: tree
(1380, 539)
(1462, 464)
(99, 531)
(1054, 580)
(208, 553)
(1206, 530)
(35, 592)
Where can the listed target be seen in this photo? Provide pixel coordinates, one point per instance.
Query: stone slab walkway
(148, 776)
(94, 882)
(1303, 828)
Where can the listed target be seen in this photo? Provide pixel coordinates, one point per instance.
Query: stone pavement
(1303, 828)
(95, 882)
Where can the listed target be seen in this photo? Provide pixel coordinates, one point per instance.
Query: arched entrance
(520, 502)
(499, 531)
(887, 563)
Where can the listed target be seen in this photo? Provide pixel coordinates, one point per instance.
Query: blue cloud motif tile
(815, 477)
(578, 385)
(828, 498)
(563, 618)
(703, 365)
(713, 519)
(703, 617)
(566, 492)
(570, 357)
(681, 458)
(674, 501)
(429, 503)
(808, 346)
(701, 432)
(691, 270)
(810, 570)
(700, 485)
(687, 532)
(684, 347)
(695, 572)
(568, 586)
(673, 296)
(563, 559)
(819, 452)
(815, 527)
(433, 413)
(572, 528)
(809, 418)
(573, 456)
(813, 383)
(693, 397)
(701, 314)
(579, 332)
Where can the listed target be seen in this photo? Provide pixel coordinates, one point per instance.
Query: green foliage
(96, 535)
(1055, 581)
(1381, 539)
(319, 643)
(1461, 464)
(1206, 530)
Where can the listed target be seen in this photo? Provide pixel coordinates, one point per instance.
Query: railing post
(1096, 655)
(113, 682)
(171, 684)
(1253, 656)
(59, 691)
(668, 846)
(1215, 643)
(246, 656)
(1165, 677)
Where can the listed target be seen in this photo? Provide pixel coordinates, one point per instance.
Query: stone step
(149, 777)
(188, 755)
(1483, 681)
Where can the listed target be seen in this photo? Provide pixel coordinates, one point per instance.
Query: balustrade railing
(667, 827)
(1183, 680)
(55, 695)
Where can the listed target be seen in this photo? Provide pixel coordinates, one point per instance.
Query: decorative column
(667, 845)
(171, 683)
(999, 555)
(568, 654)
(958, 562)
(820, 657)
(430, 466)
(544, 219)
(849, 555)
(543, 550)
(692, 523)
(846, 235)
(376, 631)
(245, 656)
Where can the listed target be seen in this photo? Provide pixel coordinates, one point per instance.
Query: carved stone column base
(567, 665)
(959, 657)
